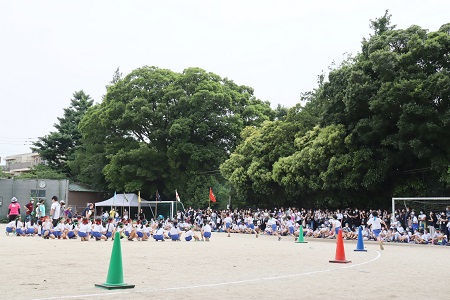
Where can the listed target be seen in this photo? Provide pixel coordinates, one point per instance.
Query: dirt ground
(239, 267)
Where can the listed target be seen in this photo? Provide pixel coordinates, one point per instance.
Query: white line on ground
(212, 284)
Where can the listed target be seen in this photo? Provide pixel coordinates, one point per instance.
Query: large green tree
(382, 121)
(57, 148)
(161, 130)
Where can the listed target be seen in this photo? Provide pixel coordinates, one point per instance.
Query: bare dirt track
(239, 267)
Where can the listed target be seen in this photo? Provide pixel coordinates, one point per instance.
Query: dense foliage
(161, 130)
(377, 128)
(57, 148)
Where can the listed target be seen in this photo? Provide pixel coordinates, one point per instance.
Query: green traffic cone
(114, 280)
(301, 239)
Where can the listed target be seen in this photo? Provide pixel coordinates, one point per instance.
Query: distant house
(22, 163)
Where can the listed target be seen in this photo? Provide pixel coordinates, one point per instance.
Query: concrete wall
(21, 189)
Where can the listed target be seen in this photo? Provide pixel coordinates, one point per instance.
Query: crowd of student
(404, 226)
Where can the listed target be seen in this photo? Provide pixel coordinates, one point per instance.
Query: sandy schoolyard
(239, 267)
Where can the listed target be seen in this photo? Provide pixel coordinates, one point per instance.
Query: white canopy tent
(123, 200)
(166, 208)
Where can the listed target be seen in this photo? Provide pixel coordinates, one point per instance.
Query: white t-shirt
(206, 228)
(188, 233)
(375, 222)
(11, 224)
(336, 223)
(19, 224)
(56, 210)
(47, 225)
(98, 228)
(174, 230)
(110, 227)
(84, 228)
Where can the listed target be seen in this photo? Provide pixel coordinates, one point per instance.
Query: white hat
(13, 199)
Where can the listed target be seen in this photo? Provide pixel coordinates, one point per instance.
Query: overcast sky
(50, 49)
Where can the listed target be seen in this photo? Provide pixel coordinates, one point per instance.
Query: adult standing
(87, 212)
(141, 215)
(30, 210)
(55, 211)
(432, 220)
(62, 208)
(13, 209)
(42, 208)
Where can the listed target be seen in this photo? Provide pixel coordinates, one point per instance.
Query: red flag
(211, 195)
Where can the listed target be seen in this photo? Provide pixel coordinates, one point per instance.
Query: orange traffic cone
(340, 252)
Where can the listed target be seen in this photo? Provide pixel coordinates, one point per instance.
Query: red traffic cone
(340, 252)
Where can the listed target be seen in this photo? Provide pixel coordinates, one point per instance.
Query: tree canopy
(161, 130)
(58, 146)
(376, 129)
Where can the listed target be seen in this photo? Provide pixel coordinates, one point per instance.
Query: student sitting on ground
(175, 232)
(84, 229)
(206, 232)
(189, 235)
(159, 234)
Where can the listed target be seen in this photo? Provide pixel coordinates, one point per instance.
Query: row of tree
(377, 128)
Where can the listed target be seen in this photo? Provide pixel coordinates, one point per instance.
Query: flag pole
(139, 203)
(123, 202)
(156, 206)
(176, 205)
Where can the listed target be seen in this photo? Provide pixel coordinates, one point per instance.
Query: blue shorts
(175, 237)
(127, 233)
(274, 227)
(140, 234)
(158, 237)
(108, 234)
(251, 226)
(376, 232)
(57, 233)
(228, 225)
(96, 234)
(19, 231)
(82, 234)
(45, 230)
(207, 234)
(30, 231)
(9, 229)
(291, 230)
(336, 230)
(188, 238)
(70, 234)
